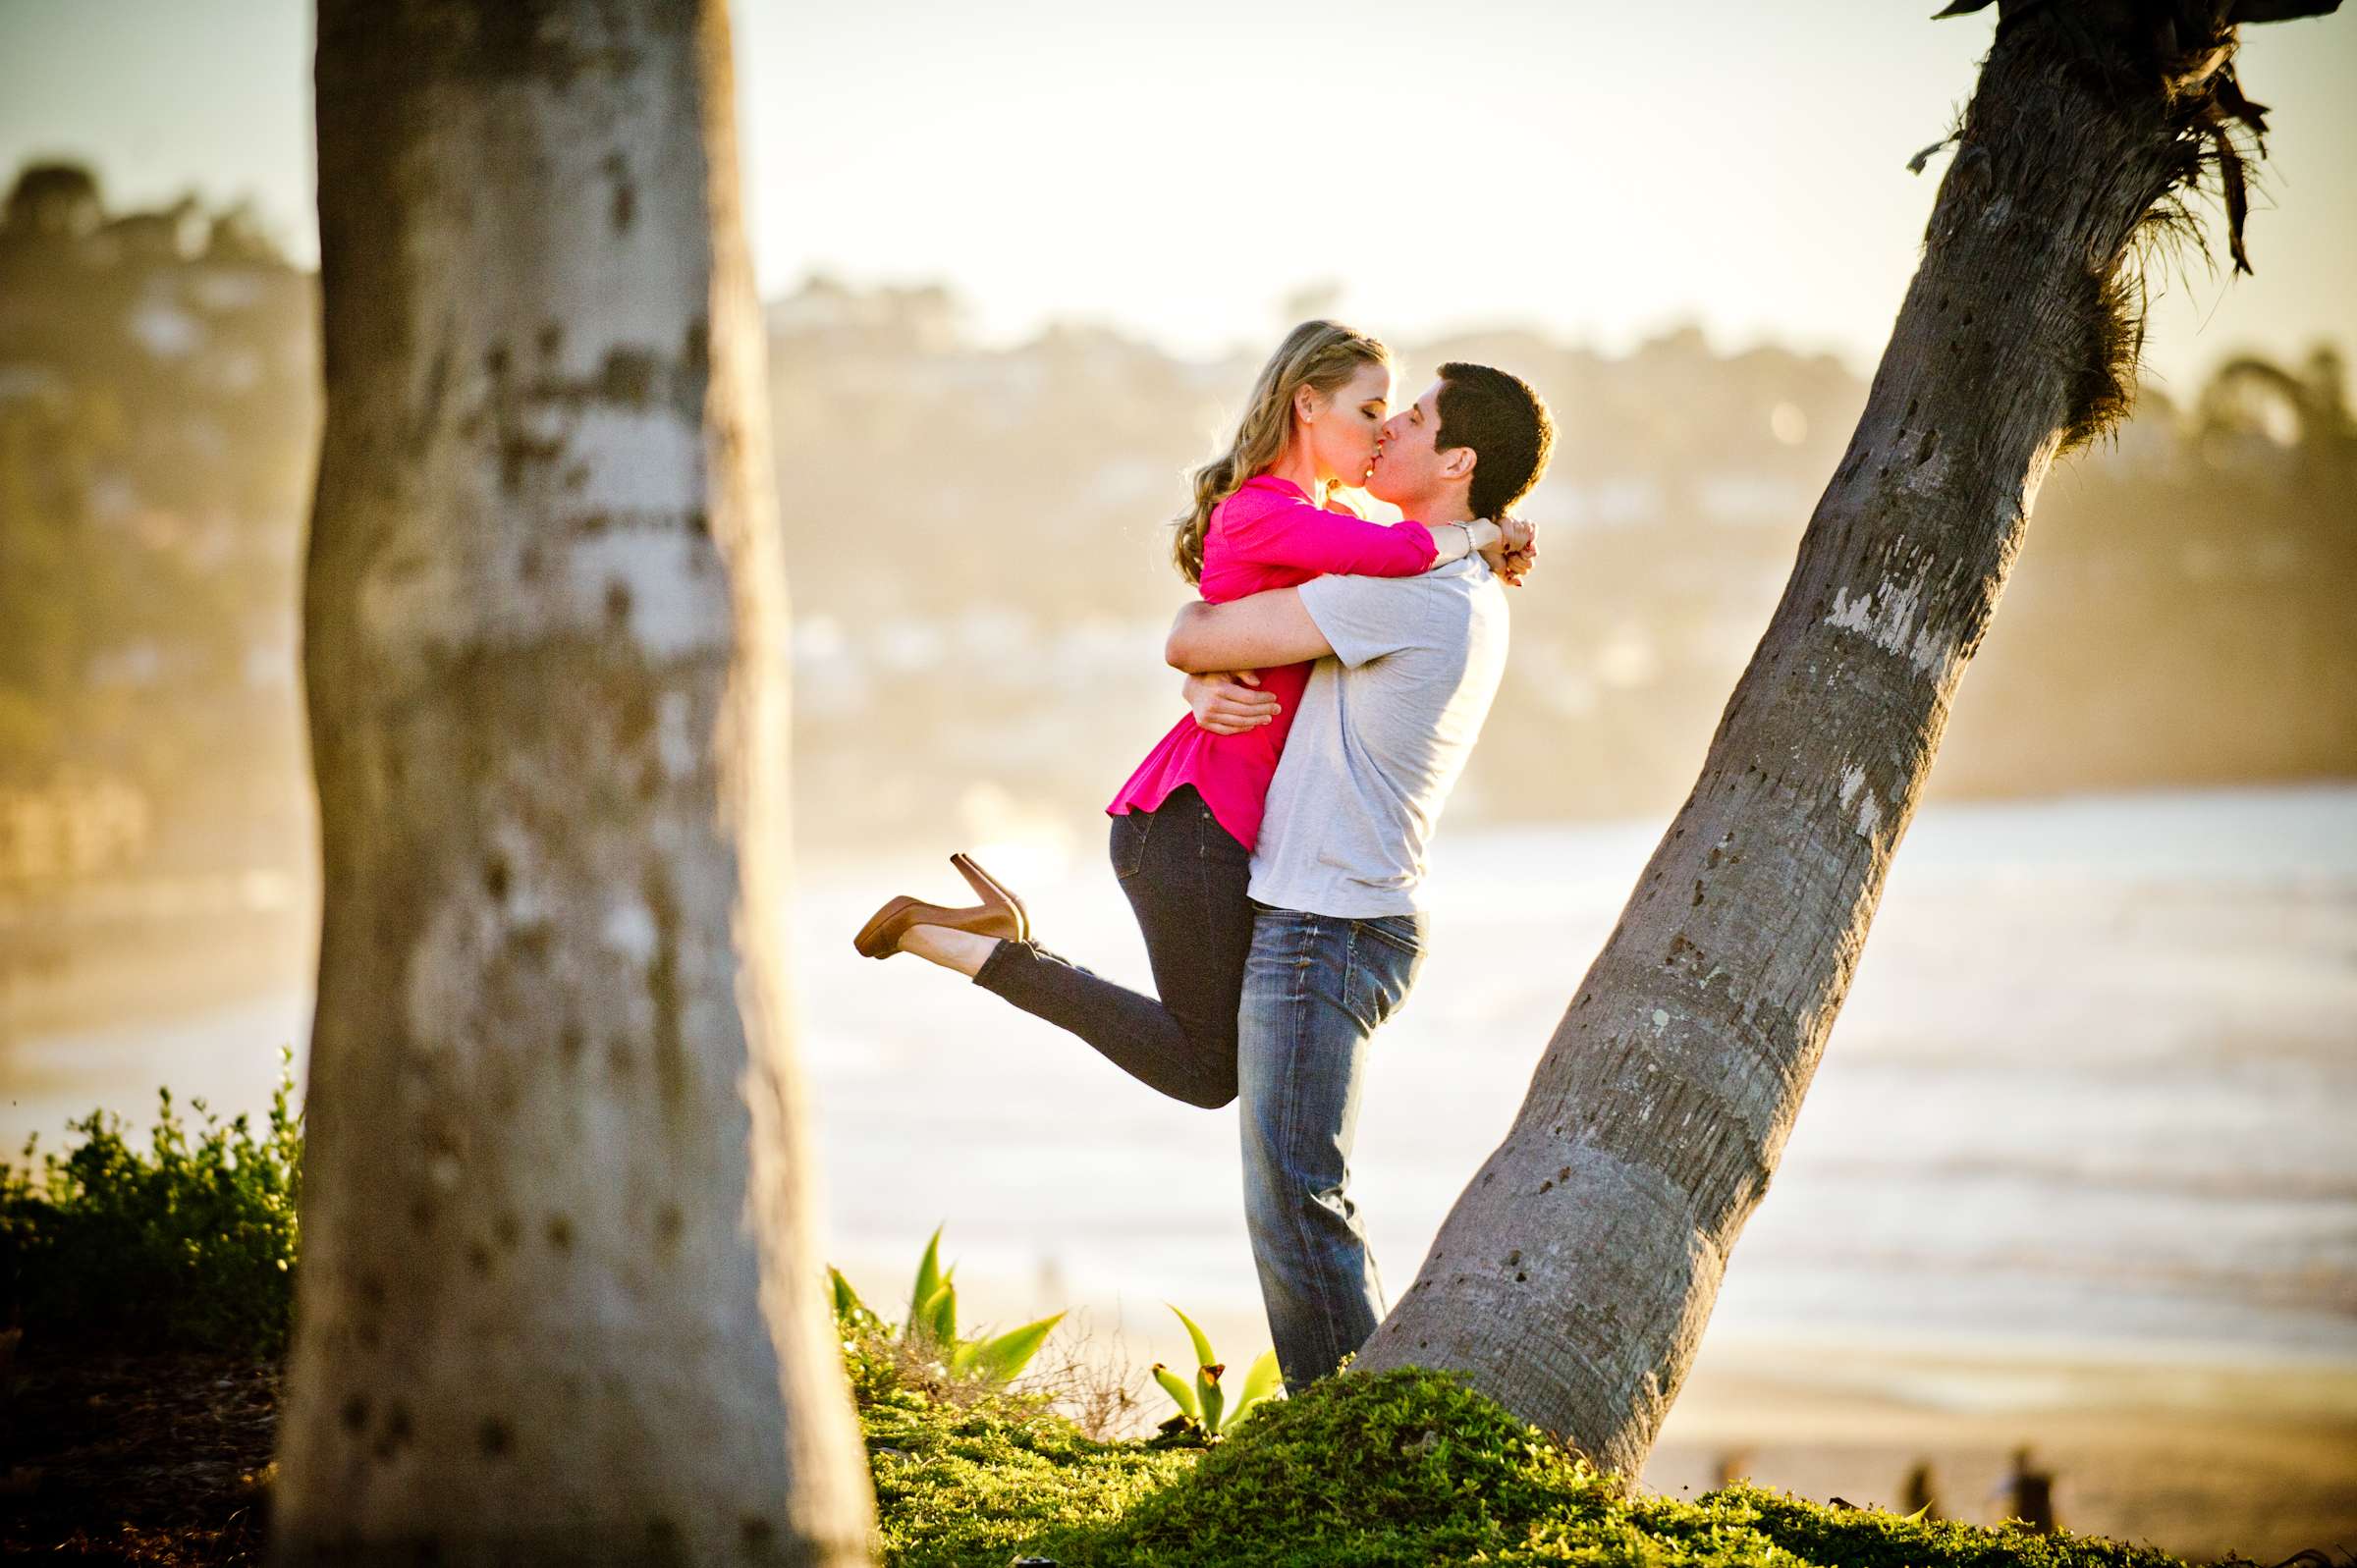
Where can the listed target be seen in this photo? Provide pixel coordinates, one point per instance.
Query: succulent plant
(933, 1321)
(1204, 1409)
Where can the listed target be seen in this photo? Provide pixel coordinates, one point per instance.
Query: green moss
(1867, 1537)
(966, 1472)
(1408, 1468)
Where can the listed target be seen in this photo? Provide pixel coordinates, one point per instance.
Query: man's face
(1409, 466)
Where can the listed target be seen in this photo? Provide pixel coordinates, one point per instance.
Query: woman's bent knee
(1214, 1091)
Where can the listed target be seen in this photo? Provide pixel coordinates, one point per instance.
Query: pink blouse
(1266, 535)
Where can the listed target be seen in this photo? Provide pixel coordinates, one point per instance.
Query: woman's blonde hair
(1320, 354)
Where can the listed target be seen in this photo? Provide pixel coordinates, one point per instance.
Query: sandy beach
(2198, 1460)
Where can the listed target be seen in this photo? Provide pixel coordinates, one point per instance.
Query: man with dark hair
(1407, 669)
(1500, 417)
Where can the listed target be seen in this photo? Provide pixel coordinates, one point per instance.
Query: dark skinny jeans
(1185, 877)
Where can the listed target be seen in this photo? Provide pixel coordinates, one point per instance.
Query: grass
(1398, 1469)
(983, 1479)
(189, 1250)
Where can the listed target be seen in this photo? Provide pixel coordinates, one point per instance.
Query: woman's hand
(1516, 550)
(1229, 704)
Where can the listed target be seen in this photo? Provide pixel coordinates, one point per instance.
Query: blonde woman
(1186, 823)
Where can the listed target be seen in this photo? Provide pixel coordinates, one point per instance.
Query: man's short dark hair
(1506, 423)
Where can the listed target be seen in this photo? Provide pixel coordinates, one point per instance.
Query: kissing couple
(1273, 845)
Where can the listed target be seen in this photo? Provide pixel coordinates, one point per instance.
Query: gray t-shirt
(1384, 729)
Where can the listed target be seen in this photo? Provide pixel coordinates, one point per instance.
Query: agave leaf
(942, 1314)
(928, 1277)
(1203, 1355)
(1207, 1389)
(1001, 1358)
(846, 1300)
(925, 1320)
(962, 1354)
(1259, 1383)
(1170, 1385)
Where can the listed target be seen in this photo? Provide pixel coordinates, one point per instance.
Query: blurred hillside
(978, 624)
(158, 409)
(2182, 615)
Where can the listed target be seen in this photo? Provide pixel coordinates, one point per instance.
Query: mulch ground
(155, 1459)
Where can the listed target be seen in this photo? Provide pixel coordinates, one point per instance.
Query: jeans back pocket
(1129, 842)
(1402, 932)
(1386, 953)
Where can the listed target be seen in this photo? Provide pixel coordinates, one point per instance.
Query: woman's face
(1343, 427)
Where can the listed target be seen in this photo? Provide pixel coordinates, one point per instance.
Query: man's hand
(1514, 553)
(1229, 704)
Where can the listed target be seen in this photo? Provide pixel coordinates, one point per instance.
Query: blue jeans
(1316, 987)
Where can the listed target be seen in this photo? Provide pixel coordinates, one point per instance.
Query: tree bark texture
(1575, 1274)
(560, 1299)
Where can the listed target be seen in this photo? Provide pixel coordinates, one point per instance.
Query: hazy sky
(1179, 171)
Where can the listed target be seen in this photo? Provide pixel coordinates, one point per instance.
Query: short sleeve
(1366, 617)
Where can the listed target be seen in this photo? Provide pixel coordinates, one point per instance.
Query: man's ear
(1456, 462)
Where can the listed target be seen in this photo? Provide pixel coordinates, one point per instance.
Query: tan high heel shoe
(994, 893)
(1000, 914)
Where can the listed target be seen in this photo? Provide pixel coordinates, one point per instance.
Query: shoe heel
(989, 890)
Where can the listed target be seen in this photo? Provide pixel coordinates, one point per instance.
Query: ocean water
(2091, 1092)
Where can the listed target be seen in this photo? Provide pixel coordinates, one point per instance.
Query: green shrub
(189, 1245)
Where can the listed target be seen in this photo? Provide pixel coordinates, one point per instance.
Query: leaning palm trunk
(1573, 1278)
(560, 1298)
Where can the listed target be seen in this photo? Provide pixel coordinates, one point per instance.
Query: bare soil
(156, 1458)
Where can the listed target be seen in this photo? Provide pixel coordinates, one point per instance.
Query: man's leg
(1315, 989)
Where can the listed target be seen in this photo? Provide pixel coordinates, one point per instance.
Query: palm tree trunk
(1575, 1274)
(560, 1298)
